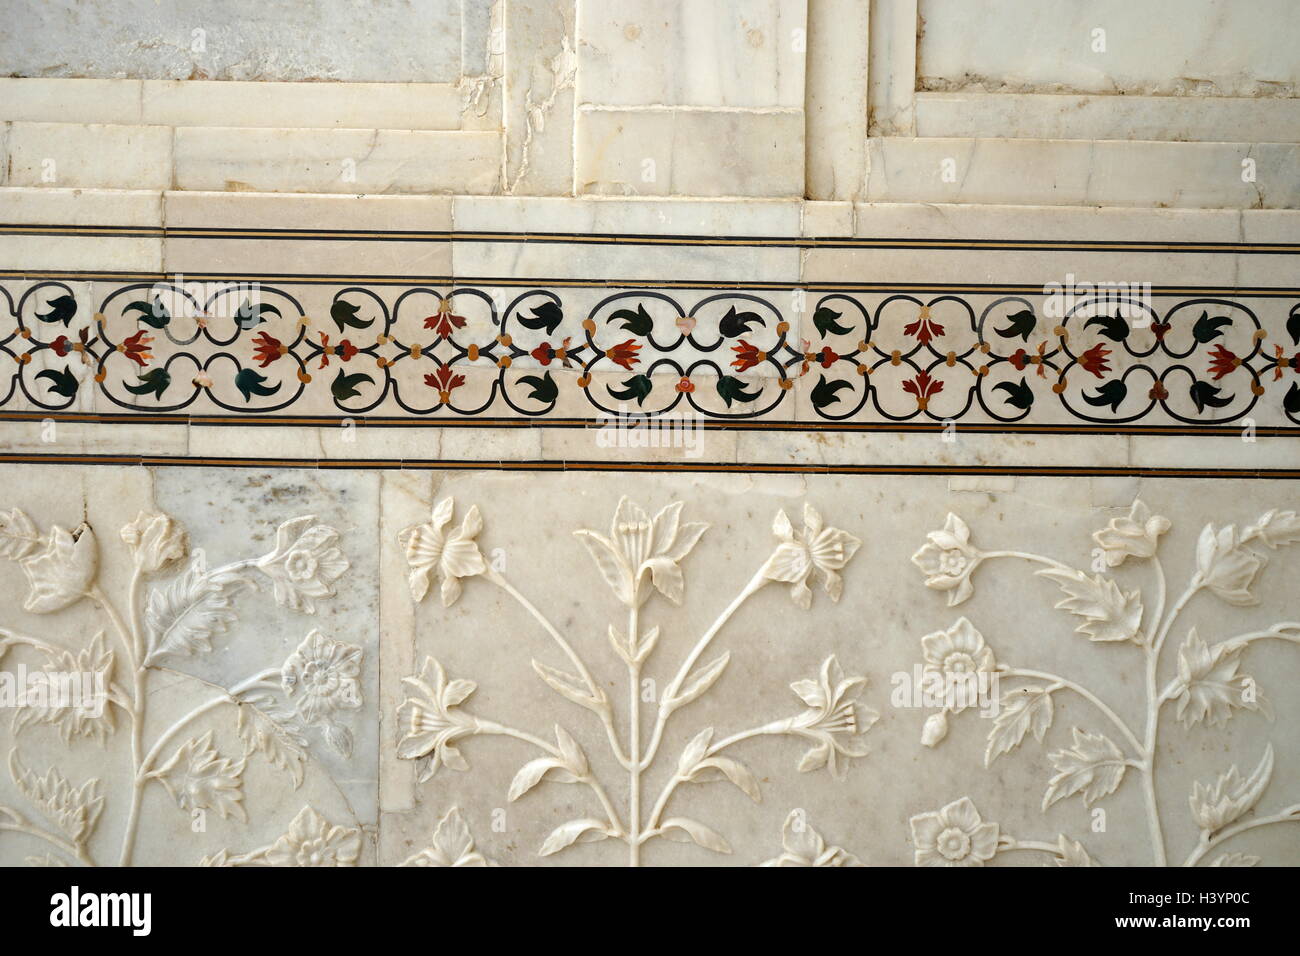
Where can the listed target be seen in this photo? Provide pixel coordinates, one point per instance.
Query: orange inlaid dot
(786, 383)
(863, 370)
(472, 352)
(1059, 387)
(303, 376)
(24, 358)
(98, 316)
(896, 358)
(782, 328)
(1260, 335)
(589, 325)
(381, 361)
(504, 361)
(1257, 389)
(984, 347)
(952, 359)
(1061, 331)
(415, 351)
(504, 339)
(584, 381)
(99, 376)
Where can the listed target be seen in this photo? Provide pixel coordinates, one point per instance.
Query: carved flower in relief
(62, 573)
(1136, 535)
(1225, 567)
(452, 845)
(154, 540)
(947, 559)
(199, 778)
(825, 550)
(637, 545)
(320, 677)
(432, 721)
(1208, 686)
(314, 841)
(954, 836)
(955, 658)
(305, 563)
(452, 555)
(804, 846)
(833, 718)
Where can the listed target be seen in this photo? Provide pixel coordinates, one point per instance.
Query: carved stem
(20, 824)
(1289, 815)
(496, 578)
(634, 733)
(665, 706)
(1086, 695)
(1149, 778)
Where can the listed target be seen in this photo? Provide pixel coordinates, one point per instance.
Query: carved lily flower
(1208, 686)
(432, 720)
(826, 550)
(804, 846)
(452, 845)
(638, 544)
(199, 778)
(320, 677)
(948, 559)
(305, 563)
(1225, 567)
(1137, 535)
(954, 836)
(452, 555)
(314, 841)
(154, 540)
(833, 718)
(62, 573)
(955, 658)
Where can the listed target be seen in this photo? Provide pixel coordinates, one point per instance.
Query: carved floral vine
(278, 710)
(1207, 688)
(638, 557)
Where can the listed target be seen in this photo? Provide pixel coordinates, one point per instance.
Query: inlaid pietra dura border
(506, 351)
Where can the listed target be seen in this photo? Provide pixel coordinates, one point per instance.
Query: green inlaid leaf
(62, 383)
(1021, 396)
(1114, 327)
(344, 315)
(1022, 324)
(638, 322)
(824, 321)
(1112, 393)
(1208, 328)
(346, 386)
(732, 389)
(638, 387)
(1206, 395)
(250, 315)
(824, 392)
(155, 316)
(155, 380)
(544, 388)
(737, 323)
(250, 383)
(62, 309)
(546, 316)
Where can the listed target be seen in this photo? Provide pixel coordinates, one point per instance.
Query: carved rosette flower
(155, 541)
(954, 836)
(305, 563)
(816, 548)
(948, 559)
(314, 841)
(199, 778)
(638, 545)
(1136, 535)
(61, 574)
(804, 846)
(321, 677)
(954, 659)
(452, 845)
(432, 720)
(451, 555)
(834, 718)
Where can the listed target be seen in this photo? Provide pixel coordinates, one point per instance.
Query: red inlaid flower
(624, 353)
(1161, 329)
(444, 322)
(1158, 392)
(444, 381)
(1222, 362)
(136, 348)
(828, 357)
(345, 350)
(923, 328)
(747, 356)
(546, 352)
(923, 386)
(684, 384)
(268, 349)
(64, 345)
(1094, 360)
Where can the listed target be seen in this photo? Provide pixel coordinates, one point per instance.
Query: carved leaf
(532, 773)
(1236, 859)
(74, 810)
(18, 537)
(704, 678)
(182, 617)
(1109, 614)
(1094, 767)
(1072, 853)
(610, 563)
(683, 830)
(575, 831)
(1217, 805)
(566, 685)
(1029, 708)
(261, 735)
(725, 768)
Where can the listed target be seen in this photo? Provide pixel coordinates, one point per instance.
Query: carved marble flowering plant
(1206, 687)
(174, 606)
(639, 557)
